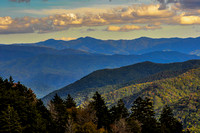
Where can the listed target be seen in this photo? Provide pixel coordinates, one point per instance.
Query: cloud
(186, 4)
(82, 11)
(20, 1)
(91, 29)
(66, 38)
(126, 28)
(189, 20)
(132, 15)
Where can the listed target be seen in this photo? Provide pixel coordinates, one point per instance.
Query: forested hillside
(181, 93)
(22, 112)
(115, 78)
(46, 69)
(179, 89)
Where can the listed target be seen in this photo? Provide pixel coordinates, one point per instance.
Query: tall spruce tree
(101, 109)
(10, 121)
(59, 114)
(69, 102)
(143, 111)
(119, 111)
(169, 124)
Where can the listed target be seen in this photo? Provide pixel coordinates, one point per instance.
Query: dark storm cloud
(187, 4)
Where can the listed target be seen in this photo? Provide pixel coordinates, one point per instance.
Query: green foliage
(21, 104)
(169, 124)
(101, 109)
(181, 93)
(143, 111)
(69, 102)
(59, 114)
(108, 80)
(119, 111)
(10, 121)
(95, 117)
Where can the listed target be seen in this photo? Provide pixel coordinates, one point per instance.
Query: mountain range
(174, 84)
(124, 75)
(52, 64)
(136, 46)
(117, 69)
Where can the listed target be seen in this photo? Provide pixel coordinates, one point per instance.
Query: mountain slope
(87, 84)
(48, 70)
(136, 46)
(13, 52)
(181, 93)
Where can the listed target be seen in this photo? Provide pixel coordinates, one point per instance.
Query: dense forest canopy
(21, 111)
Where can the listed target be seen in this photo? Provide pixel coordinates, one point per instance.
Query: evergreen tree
(59, 114)
(169, 124)
(69, 102)
(10, 121)
(133, 126)
(101, 109)
(45, 115)
(119, 111)
(142, 110)
(11, 80)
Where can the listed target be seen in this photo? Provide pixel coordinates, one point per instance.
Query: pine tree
(11, 80)
(10, 121)
(59, 114)
(119, 111)
(169, 124)
(69, 102)
(101, 109)
(142, 110)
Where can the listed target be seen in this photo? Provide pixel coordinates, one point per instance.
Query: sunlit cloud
(82, 11)
(66, 38)
(186, 4)
(126, 28)
(190, 20)
(130, 17)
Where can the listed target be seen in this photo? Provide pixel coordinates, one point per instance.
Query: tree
(11, 80)
(142, 110)
(101, 109)
(10, 121)
(45, 115)
(120, 126)
(169, 124)
(133, 126)
(69, 102)
(119, 111)
(59, 114)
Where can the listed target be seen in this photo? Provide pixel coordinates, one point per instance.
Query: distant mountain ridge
(120, 75)
(52, 64)
(49, 69)
(136, 46)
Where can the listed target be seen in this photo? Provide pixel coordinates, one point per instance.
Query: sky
(29, 21)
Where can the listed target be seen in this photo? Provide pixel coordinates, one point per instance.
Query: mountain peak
(87, 38)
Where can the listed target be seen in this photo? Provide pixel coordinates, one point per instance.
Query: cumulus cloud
(66, 38)
(125, 28)
(82, 11)
(132, 15)
(190, 20)
(187, 4)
